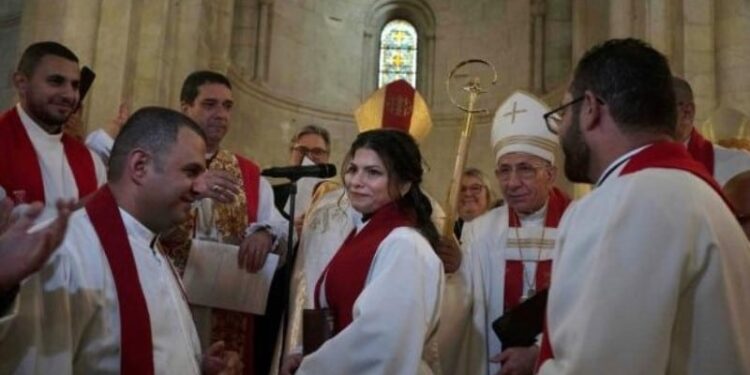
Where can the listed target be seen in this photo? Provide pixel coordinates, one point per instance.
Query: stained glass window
(398, 53)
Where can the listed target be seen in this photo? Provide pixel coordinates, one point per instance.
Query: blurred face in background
(473, 199)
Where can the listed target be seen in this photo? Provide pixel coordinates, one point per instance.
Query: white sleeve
(101, 144)
(393, 316)
(268, 215)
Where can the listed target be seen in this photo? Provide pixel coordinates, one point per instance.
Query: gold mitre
(396, 105)
(519, 126)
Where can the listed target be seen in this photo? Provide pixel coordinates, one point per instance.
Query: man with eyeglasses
(651, 268)
(313, 143)
(511, 246)
(722, 163)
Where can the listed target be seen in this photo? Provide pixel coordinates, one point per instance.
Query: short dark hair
(634, 80)
(403, 162)
(35, 52)
(682, 90)
(153, 129)
(312, 129)
(197, 79)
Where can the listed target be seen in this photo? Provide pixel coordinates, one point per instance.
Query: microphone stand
(291, 256)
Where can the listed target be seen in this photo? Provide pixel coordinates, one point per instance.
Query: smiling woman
(384, 284)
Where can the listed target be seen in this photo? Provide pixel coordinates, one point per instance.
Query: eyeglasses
(553, 118)
(473, 189)
(524, 171)
(316, 152)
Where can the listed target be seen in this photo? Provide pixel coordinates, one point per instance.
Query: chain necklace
(529, 284)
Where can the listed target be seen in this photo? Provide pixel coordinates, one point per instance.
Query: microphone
(297, 172)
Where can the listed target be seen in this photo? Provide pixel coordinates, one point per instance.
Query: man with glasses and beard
(511, 246)
(650, 272)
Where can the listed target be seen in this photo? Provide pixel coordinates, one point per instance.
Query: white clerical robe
(57, 176)
(488, 237)
(66, 318)
(327, 224)
(729, 162)
(650, 277)
(394, 318)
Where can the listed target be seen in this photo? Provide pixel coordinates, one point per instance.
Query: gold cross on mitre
(513, 113)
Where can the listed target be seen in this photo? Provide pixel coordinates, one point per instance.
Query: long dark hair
(403, 161)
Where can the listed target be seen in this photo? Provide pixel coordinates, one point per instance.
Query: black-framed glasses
(553, 118)
(315, 151)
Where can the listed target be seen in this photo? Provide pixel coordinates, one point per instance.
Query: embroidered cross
(513, 113)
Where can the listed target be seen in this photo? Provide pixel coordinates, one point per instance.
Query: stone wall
(295, 62)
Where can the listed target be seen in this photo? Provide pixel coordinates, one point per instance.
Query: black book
(521, 325)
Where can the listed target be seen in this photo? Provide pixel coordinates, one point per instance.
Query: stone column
(578, 33)
(660, 26)
(263, 43)
(244, 35)
(732, 22)
(620, 18)
(537, 45)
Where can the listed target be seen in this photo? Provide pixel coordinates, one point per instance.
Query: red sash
(346, 273)
(513, 289)
(251, 181)
(669, 155)
(19, 165)
(701, 150)
(136, 354)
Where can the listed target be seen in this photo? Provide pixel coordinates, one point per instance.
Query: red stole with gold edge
(19, 165)
(513, 288)
(701, 150)
(251, 181)
(136, 354)
(346, 273)
(667, 155)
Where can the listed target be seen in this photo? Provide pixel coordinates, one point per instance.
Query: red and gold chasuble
(136, 353)
(236, 329)
(701, 150)
(345, 275)
(19, 165)
(666, 155)
(514, 269)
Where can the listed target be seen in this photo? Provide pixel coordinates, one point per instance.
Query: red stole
(513, 288)
(701, 150)
(136, 354)
(251, 181)
(19, 165)
(346, 273)
(664, 154)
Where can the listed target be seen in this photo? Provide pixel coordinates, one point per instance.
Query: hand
(291, 364)
(299, 221)
(115, 124)
(213, 361)
(449, 253)
(517, 360)
(23, 253)
(254, 250)
(220, 186)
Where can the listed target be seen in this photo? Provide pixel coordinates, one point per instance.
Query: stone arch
(419, 14)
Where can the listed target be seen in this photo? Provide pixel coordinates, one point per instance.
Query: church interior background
(299, 62)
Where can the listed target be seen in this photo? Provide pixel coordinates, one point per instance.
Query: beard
(577, 153)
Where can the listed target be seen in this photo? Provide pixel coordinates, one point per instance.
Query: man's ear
(184, 106)
(138, 163)
(21, 83)
(591, 111)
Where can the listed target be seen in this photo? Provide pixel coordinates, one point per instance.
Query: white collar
(136, 229)
(34, 130)
(537, 216)
(618, 163)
